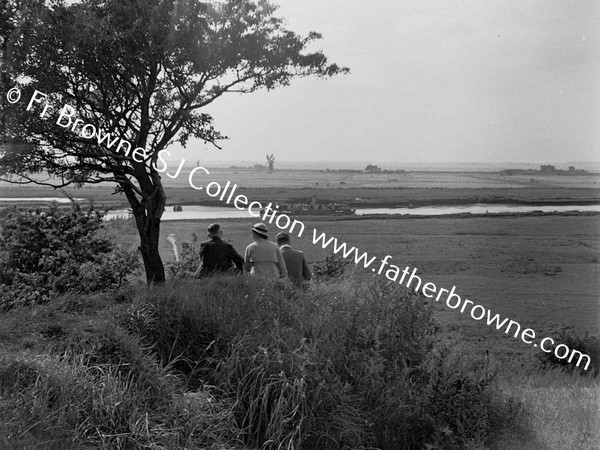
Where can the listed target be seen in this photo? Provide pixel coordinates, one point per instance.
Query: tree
(142, 71)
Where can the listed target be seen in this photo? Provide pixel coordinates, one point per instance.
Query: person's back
(263, 257)
(216, 255)
(295, 262)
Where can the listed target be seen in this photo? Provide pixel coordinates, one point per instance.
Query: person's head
(283, 238)
(260, 231)
(214, 230)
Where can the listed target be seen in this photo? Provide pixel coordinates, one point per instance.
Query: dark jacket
(218, 256)
(297, 267)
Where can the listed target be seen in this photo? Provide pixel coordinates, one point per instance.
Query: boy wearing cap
(297, 267)
(216, 255)
(263, 257)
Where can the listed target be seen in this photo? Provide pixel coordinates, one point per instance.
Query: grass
(301, 185)
(71, 378)
(503, 263)
(541, 271)
(285, 368)
(561, 411)
(347, 365)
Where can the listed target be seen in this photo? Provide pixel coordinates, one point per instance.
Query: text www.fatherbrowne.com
(408, 278)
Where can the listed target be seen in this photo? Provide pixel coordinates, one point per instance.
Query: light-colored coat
(297, 267)
(263, 258)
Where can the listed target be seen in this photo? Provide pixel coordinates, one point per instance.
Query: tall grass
(347, 364)
(96, 386)
(562, 411)
(218, 362)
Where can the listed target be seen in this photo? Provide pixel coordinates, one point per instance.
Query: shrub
(50, 252)
(332, 267)
(586, 344)
(455, 401)
(189, 260)
(47, 402)
(346, 364)
(104, 391)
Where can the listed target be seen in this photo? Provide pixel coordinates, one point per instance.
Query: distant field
(301, 185)
(324, 179)
(540, 271)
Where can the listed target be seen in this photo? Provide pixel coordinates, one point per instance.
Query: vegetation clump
(586, 344)
(225, 361)
(343, 365)
(333, 266)
(53, 251)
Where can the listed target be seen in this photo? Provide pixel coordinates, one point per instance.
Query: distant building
(548, 169)
(545, 170)
(372, 168)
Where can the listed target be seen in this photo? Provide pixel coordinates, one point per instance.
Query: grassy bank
(235, 362)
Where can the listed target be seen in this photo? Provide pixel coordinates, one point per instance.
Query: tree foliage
(143, 71)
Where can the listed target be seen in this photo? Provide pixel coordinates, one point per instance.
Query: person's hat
(261, 228)
(214, 228)
(282, 235)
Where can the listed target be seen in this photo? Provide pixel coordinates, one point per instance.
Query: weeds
(347, 364)
(587, 344)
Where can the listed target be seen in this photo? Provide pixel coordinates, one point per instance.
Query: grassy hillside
(238, 363)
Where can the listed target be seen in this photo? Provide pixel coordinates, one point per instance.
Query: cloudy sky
(431, 81)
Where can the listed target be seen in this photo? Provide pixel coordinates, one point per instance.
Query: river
(194, 212)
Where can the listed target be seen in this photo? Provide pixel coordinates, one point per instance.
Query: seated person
(263, 257)
(216, 255)
(295, 263)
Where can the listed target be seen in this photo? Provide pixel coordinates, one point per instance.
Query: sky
(432, 81)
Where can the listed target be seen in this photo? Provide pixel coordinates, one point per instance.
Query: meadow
(361, 189)
(539, 270)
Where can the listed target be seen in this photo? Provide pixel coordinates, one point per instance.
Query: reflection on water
(38, 199)
(475, 209)
(191, 212)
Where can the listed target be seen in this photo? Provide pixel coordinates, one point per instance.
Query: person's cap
(261, 229)
(214, 228)
(282, 235)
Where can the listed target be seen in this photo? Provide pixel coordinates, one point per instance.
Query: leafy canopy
(143, 71)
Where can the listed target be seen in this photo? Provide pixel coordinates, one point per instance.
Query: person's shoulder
(226, 244)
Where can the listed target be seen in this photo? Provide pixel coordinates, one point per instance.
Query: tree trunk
(147, 214)
(149, 237)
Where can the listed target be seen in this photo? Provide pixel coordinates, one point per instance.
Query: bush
(332, 267)
(45, 253)
(189, 260)
(586, 344)
(347, 364)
